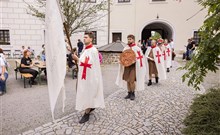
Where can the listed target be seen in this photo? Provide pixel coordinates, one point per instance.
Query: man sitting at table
(26, 65)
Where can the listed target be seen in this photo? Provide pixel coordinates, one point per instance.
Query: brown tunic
(130, 73)
(152, 65)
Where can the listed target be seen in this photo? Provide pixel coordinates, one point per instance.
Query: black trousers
(31, 71)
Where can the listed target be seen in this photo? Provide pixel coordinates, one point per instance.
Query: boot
(132, 97)
(157, 79)
(85, 118)
(149, 83)
(92, 109)
(168, 70)
(128, 96)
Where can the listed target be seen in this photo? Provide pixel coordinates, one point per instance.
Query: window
(94, 42)
(124, 1)
(116, 36)
(4, 37)
(90, 1)
(158, 0)
(196, 37)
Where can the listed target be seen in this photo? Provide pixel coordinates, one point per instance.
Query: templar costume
(155, 64)
(133, 73)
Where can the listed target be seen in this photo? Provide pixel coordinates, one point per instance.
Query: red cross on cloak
(85, 66)
(168, 51)
(164, 54)
(158, 56)
(140, 57)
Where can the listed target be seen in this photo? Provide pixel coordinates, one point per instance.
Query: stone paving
(158, 110)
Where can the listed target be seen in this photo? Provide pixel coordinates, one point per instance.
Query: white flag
(55, 53)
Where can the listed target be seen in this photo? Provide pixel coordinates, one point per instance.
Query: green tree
(156, 36)
(79, 15)
(209, 47)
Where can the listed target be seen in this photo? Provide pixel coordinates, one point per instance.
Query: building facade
(167, 17)
(138, 17)
(17, 28)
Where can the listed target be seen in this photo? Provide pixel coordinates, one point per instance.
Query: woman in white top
(3, 72)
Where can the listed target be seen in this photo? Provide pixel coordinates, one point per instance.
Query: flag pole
(68, 37)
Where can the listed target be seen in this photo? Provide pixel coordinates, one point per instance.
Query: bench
(27, 76)
(17, 54)
(7, 53)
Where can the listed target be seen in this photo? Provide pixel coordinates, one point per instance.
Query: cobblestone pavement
(159, 109)
(23, 109)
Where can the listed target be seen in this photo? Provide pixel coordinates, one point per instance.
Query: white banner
(55, 53)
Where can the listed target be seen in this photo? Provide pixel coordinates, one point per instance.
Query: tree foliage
(208, 51)
(156, 36)
(79, 15)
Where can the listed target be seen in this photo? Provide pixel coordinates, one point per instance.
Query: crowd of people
(152, 62)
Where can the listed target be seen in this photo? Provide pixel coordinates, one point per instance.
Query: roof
(117, 46)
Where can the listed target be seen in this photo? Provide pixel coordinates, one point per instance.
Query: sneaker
(85, 118)
(128, 96)
(132, 97)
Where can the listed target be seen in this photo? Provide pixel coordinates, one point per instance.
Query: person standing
(90, 87)
(133, 75)
(26, 66)
(173, 53)
(191, 48)
(167, 54)
(139, 43)
(80, 46)
(22, 51)
(3, 72)
(154, 63)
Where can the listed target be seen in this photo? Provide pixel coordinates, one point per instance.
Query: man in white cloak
(90, 87)
(154, 63)
(134, 73)
(167, 54)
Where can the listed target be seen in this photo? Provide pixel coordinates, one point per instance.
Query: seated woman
(72, 58)
(26, 65)
(3, 72)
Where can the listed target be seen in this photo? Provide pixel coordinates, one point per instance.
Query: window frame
(94, 41)
(5, 42)
(124, 1)
(158, 2)
(89, 1)
(116, 33)
(196, 36)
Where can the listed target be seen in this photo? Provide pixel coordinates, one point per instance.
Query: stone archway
(164, 29)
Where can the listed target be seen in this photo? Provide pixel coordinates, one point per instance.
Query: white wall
(24, 29)
(132, 17)
(29, 31)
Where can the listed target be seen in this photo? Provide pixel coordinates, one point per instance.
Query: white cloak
(158, 61)
(140, 70)
(90, 87)
(168, 55)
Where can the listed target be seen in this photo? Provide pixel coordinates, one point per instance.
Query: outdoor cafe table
(40, 65)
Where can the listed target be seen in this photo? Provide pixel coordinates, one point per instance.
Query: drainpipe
(108, 21)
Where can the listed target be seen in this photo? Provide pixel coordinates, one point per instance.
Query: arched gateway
(162, 27)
